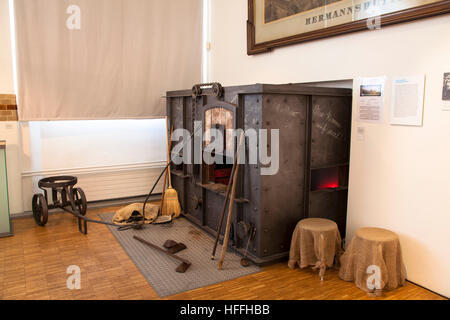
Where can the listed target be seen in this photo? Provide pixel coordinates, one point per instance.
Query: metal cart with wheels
(64, 196)
(72, 200)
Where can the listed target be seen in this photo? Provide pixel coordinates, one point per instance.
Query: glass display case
(5, 220)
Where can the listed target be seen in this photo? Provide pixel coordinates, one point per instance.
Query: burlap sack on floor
(373, 247)
(315, 242)
(122, 216)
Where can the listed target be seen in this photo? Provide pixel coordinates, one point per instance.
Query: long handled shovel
(222, 215)
(230, 207)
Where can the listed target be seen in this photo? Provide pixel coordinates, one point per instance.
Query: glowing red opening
(324, 178)
(329, 185)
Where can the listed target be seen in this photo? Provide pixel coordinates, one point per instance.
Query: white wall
(58, 145)
(111, 158)
(399, 176)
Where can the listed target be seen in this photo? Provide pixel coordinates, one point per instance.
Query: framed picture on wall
(276, 23)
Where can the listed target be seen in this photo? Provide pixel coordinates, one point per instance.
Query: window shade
(120, 62)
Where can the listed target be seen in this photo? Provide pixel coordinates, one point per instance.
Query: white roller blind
(118, 64)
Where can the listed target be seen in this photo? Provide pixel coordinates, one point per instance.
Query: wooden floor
(33, 265)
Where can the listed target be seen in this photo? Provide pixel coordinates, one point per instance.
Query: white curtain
(104, 59)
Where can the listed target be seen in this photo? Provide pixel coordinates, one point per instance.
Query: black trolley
(64, 196)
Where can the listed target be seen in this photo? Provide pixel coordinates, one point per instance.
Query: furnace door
(219, 120)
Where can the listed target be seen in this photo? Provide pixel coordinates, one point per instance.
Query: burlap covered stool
(315, 242)
(373, 260)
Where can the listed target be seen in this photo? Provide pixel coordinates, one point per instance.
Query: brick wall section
(8, 107)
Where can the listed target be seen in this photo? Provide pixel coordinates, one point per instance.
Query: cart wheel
(40, 209)
(80, 200)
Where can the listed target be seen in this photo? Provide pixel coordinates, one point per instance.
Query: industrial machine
(314, 146)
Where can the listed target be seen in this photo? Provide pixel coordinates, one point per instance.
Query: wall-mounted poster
(275, 23)
(446, 92)
(371, 99)
(407, 100)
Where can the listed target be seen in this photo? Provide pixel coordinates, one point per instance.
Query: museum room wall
(399, 176)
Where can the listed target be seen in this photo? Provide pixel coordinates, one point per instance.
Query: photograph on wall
(446, 92)
(278, 9)
(370, 90)
(371, 99)
(275, 23)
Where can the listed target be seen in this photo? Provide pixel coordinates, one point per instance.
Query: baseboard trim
(95, 205)
(6, 234)
(97, 169)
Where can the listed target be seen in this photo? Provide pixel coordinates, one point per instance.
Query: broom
(170, 204)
